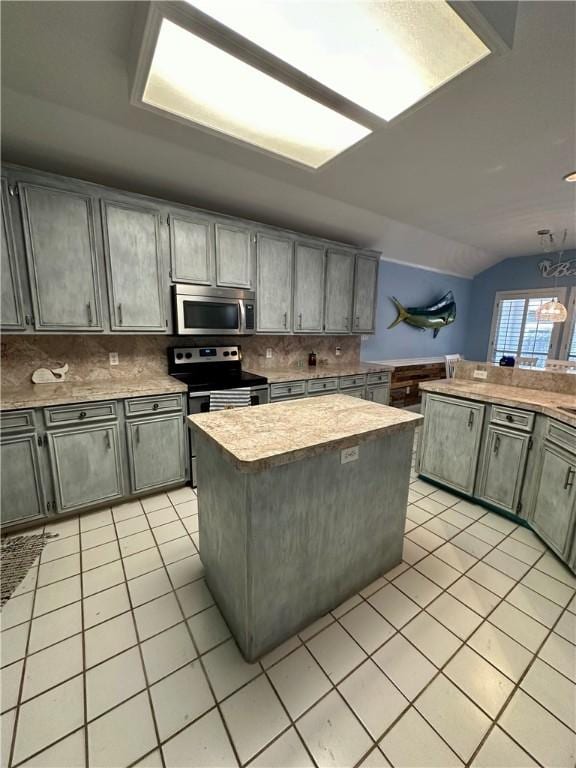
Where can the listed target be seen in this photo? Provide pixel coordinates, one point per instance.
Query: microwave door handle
(242, 308)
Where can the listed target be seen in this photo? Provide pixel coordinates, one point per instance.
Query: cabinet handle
(285, 319)
(39, 439)
(89, 311)
(300, 320)
(346, 321)
(28, 320)
(137, 433)
(496, 444)
(120, 321)
(107, 440)
(569, 482)
(357, 320)
(82, 415)
(471, 419)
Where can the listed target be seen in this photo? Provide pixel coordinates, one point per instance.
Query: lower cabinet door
(378, 394)
(156, 451)
(554, 507)
(86, 465)
(22, 491)
(502, 468)
(451, 441)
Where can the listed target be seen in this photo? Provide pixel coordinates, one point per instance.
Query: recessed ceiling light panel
(197, 81)
(383, 56)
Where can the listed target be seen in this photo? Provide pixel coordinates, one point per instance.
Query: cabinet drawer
(561, 434)
(512, 417)
(322, 385)
(378, 378)
(352, 381)
(137, 406)
(78, 414)
(287, 389)
(16, 421)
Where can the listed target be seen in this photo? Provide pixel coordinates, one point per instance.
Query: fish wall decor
(436, 316)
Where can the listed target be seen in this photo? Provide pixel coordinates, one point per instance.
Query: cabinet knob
(289, 389)
(509, 417)
(82, 415)
(155, 407)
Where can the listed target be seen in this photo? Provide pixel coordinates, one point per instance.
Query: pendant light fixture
(552, 311)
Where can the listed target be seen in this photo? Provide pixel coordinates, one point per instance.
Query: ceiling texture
(457, 184)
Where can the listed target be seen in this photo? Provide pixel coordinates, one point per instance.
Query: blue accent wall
(515, 274)
(416, 287)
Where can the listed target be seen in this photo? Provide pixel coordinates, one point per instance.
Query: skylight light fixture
(382, 56)
(197, 81)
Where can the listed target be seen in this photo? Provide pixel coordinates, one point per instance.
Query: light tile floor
(114, 654)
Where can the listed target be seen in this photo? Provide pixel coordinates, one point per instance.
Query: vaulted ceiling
(457, 184)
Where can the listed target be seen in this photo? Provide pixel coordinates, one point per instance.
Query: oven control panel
(188, 355)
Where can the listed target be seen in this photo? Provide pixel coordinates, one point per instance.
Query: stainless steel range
(206, 369)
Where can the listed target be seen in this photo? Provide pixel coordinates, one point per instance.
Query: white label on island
(349, 454)
(480, 374)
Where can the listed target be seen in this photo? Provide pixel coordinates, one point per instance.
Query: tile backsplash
(144, 357)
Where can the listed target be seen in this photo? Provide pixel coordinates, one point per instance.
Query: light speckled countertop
(278, 375)
(280, 433)
(40, 395)
(536, 400)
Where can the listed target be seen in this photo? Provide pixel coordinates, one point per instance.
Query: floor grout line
(264, 671)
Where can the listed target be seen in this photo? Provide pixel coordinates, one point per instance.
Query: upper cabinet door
(233, 256)
(308, 288)
(134, 262)
(60, 242)
(191, 249)
(12, 311)
(365, 281)
(339, 277)
(274, 285)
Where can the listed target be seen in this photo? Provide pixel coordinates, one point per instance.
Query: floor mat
(17, 555)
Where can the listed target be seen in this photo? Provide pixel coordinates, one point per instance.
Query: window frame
(569, 326)
(560, 336)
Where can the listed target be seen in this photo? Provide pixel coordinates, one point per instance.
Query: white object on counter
(50, 375)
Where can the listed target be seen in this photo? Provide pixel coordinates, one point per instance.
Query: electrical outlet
(349, 454)
(338, 351)
(268, 353)
(113, 357)
(480, 374)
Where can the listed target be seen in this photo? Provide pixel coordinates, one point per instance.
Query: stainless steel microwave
(203, 311)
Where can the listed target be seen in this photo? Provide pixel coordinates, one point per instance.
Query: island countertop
(281, 433)
(537, 400)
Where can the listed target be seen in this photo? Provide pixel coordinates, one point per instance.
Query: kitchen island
(301, 504)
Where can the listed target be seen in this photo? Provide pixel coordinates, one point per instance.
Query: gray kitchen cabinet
(554, 510)
(233, 244)
(135, 267)
(12, 309)
(155, 451)
(450, 443)
(191, 249)
(86, 465)
(339, 282)
(60, 242)
(308, 288)
(502, 467)
(365, 284)
(378, 394)
(22, 490)
(274, 283)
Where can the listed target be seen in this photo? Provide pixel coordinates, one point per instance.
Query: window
(516, 329)
(569, 341)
